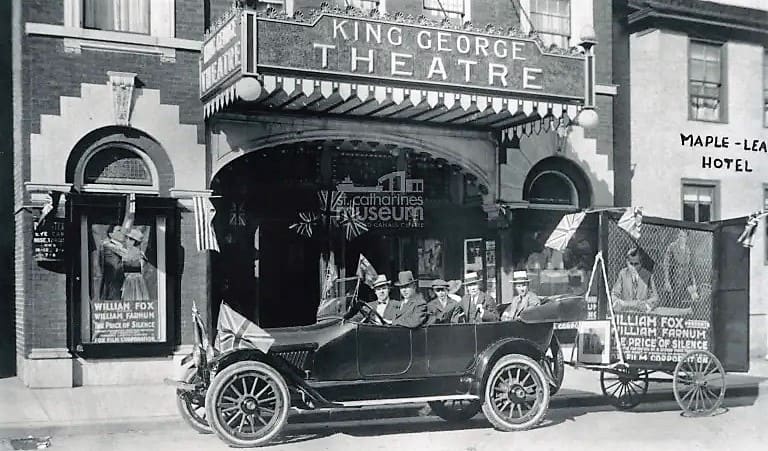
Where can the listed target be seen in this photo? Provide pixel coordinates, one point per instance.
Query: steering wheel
(371, 315)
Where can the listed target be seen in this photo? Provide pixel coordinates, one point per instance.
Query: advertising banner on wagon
(656, 338)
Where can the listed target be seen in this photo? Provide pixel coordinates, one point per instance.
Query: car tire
(514, 382)
(240, 394)
(191, 406)
(456, 411)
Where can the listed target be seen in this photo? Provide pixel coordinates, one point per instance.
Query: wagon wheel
(191, 405)
(456, 410)
(247, 404)
(624, 389)
(516, 394)
(699, 383)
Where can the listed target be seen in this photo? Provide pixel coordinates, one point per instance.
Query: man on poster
(634, 289)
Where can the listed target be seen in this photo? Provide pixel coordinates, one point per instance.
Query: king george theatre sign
(372, 50)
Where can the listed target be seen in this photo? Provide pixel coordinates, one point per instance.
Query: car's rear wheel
(456, 410)
(556, 363)
(191, 404)
(516, 394)
(247, 404)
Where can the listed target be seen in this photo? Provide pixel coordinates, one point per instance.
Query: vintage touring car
(507, 369)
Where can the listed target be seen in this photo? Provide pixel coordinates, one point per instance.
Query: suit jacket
(439, 315)
(468, 313)
(512, 310)
(645, 290)
(389, 310)
(412, 313)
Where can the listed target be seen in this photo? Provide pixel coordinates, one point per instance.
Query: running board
(423, 399)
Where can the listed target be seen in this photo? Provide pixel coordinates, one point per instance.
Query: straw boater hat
(471, 278)
(404, 278)
(439, 283)
(136, 235)
(520, 277)
(381, 280)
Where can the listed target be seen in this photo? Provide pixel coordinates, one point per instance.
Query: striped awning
(311, 95)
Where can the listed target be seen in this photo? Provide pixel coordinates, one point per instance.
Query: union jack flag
(304, 226)
(331, 204)
(631, 221)
(352, 223)
(746, 237)
(237, 332)
(237, 214)
(564, 231)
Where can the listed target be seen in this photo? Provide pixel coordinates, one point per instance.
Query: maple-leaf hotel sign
(383, 52)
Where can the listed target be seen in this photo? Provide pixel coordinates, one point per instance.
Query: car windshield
(338, 302)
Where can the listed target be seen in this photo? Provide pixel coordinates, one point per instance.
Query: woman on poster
(134, 286)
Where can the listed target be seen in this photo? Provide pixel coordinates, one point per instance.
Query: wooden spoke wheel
(516, 394)
(624, 389)
(456, 410)
(247, 404)
(191, 405)
(699, 383)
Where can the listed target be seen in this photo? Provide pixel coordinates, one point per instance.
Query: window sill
(77, 38)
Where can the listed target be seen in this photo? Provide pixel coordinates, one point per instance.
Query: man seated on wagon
(634, 289)
(524, 298)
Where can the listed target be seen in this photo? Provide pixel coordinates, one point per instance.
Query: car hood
(314, 334)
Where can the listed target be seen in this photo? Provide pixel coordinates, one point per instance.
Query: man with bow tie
(475, 305)
(383, 305)
(634, 289)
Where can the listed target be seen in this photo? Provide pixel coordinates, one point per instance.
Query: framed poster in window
(430, 258)
(473, 254)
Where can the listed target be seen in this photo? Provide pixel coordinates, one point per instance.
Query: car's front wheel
(457, 410)
(247, 404)
(516, 394)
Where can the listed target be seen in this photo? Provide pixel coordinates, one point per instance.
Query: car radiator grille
(295, 358)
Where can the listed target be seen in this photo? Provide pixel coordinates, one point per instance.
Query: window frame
(163, 26)
(723, 115)
(82, 164)
(765, 88)
(701, 183)
(544, 34)
(378, 5)
(436, 13)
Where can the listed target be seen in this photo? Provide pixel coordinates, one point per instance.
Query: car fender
(486, 360)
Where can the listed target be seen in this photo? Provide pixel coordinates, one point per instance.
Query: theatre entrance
(283, 213)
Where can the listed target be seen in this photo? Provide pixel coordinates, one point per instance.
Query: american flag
(204, 234)
(237, 332)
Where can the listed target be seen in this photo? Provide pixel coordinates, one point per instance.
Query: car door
(451, 348)
(383, 350)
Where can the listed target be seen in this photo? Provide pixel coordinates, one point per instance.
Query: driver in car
(383, 305)
(412, 311)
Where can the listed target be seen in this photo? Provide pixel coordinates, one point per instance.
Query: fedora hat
(520, 277)
(471, 278)
(405, 278)
(381, 279)
(136, 235)
(439, 283)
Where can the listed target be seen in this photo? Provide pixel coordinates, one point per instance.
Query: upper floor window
(552, 19)
(365, 5)
(455, 10)
(765, 88)
(263, 5)
(705, 81)
(698, 202)
(132, 16)
(553, 187)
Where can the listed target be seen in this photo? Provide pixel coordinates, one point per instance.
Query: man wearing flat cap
(413, 308)
(524, 298)
(440, 309)
(383, 305)
(475, 305)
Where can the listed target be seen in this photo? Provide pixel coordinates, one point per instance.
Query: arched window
(116, 167)
(553, 187)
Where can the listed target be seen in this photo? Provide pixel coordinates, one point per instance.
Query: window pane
(689, 211)
(117, 15)
(705, 212)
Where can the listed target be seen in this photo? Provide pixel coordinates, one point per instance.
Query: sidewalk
(122, 408)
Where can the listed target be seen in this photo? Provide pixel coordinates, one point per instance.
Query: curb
(124, 425)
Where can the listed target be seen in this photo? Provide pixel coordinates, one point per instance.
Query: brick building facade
(108, 104)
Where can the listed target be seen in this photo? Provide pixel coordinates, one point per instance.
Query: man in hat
(440, 309)
(413, 308)
(634, 289)
(475, 305)
(524, 298)
(383, 305)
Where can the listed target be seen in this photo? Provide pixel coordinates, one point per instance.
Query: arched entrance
(418, 210)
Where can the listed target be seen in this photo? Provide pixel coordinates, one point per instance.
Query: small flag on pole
(330, 275)
(204, 234)
(631, 221)
(50, 205)
(130, 212)
(746, 237)
(564, 231)
(238, 332)
(365, 271)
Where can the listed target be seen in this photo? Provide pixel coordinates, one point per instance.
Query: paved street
(740, 426)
